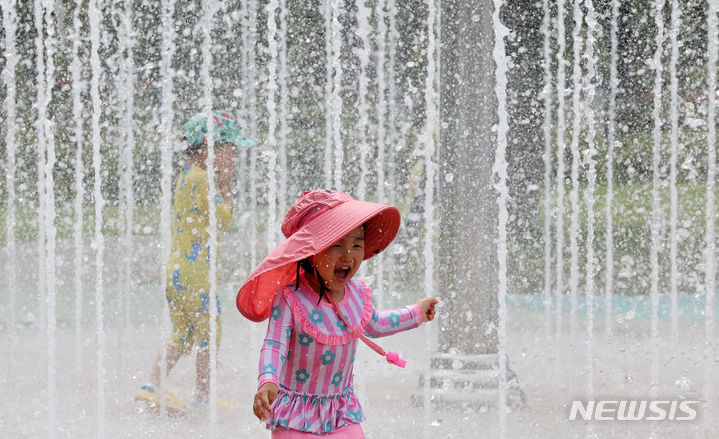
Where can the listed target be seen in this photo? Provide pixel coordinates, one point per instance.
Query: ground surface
(551, 374)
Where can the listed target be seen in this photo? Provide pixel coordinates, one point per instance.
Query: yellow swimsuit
(188, 285)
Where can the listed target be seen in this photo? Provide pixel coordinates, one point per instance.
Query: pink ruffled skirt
(352, 431)
(314, 412)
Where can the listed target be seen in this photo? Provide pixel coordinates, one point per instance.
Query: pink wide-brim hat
(318, 219)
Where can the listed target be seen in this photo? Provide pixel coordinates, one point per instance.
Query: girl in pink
(317, 312)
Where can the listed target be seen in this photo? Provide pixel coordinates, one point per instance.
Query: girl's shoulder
(319, 319)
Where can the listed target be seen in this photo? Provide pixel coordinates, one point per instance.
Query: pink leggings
(352, 431)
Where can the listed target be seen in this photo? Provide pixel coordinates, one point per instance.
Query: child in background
(318, 311)
(188, 283)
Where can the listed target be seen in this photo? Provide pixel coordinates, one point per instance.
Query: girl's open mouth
(342, 274)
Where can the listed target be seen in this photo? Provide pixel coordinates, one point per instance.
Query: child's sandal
(148, 400)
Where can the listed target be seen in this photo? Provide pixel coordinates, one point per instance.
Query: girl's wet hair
(307, 266)
(194, 149)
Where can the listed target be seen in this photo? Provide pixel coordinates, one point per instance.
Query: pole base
(467, 381)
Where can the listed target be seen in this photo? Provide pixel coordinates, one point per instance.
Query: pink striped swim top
(309, 353)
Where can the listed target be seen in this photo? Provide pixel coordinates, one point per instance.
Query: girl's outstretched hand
(427, 305)
(264, 398)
